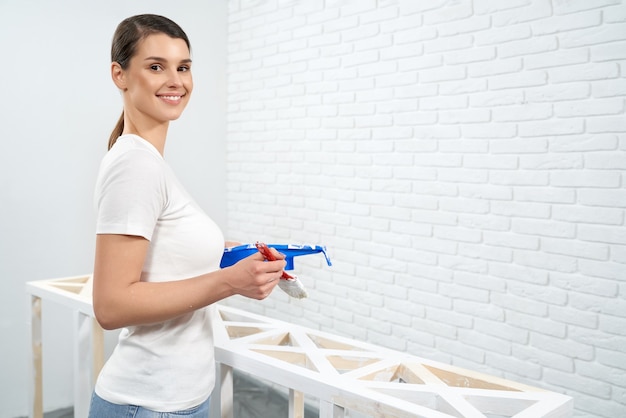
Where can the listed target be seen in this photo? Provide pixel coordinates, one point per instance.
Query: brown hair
(128, 34)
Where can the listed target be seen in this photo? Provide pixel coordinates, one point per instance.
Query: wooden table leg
(35, 392)
(98, 349)
(296, 404)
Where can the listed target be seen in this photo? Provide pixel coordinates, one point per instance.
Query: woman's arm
(120, 299)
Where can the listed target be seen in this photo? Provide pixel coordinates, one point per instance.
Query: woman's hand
(255, 278)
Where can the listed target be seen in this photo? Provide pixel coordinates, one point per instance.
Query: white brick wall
(465, 164)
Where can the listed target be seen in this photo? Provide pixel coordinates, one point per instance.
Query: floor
(254, 400)
(61, 413)
(257, 400)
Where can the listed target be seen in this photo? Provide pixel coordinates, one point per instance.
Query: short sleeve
(131, 194)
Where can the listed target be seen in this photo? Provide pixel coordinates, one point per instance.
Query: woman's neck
(155, 134)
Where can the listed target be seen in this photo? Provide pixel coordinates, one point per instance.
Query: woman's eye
(155, 67)
(184, 68)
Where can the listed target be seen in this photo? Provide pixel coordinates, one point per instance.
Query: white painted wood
(65, 292)
(225, 391)
(344, 374)
(366, 378)
(330, 410)
(83, 364)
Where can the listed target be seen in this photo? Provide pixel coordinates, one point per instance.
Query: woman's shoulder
(132, 148)
(133, 156)
(131, 143)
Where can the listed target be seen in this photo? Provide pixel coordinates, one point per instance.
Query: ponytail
(117, 131)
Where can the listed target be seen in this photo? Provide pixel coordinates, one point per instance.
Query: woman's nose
(174, 78)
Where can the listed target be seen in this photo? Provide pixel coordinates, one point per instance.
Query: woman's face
(157, 83)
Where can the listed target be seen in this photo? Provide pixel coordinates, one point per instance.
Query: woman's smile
(171, 99)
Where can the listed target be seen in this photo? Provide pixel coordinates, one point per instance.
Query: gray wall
(57, 111)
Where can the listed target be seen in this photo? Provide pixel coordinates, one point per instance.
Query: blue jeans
(103, 409)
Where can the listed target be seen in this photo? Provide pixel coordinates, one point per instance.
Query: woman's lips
(173, 99)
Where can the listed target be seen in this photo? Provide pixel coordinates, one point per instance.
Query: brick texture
(465, 164)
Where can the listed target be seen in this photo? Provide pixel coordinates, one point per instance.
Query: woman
(157, 254)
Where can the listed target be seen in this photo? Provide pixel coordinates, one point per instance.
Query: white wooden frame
(342, 374)
(88, 353)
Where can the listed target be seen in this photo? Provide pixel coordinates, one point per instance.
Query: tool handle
(265, 251)
(267, 254)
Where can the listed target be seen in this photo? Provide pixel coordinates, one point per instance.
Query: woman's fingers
(256, 278)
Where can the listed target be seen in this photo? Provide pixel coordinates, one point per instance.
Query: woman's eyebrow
(161, 59)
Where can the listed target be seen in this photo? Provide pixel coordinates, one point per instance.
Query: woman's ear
(118, 75)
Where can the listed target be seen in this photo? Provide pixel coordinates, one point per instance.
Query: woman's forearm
(142, 303)
(120, 299)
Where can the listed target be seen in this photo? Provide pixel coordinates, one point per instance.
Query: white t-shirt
(166, 366)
